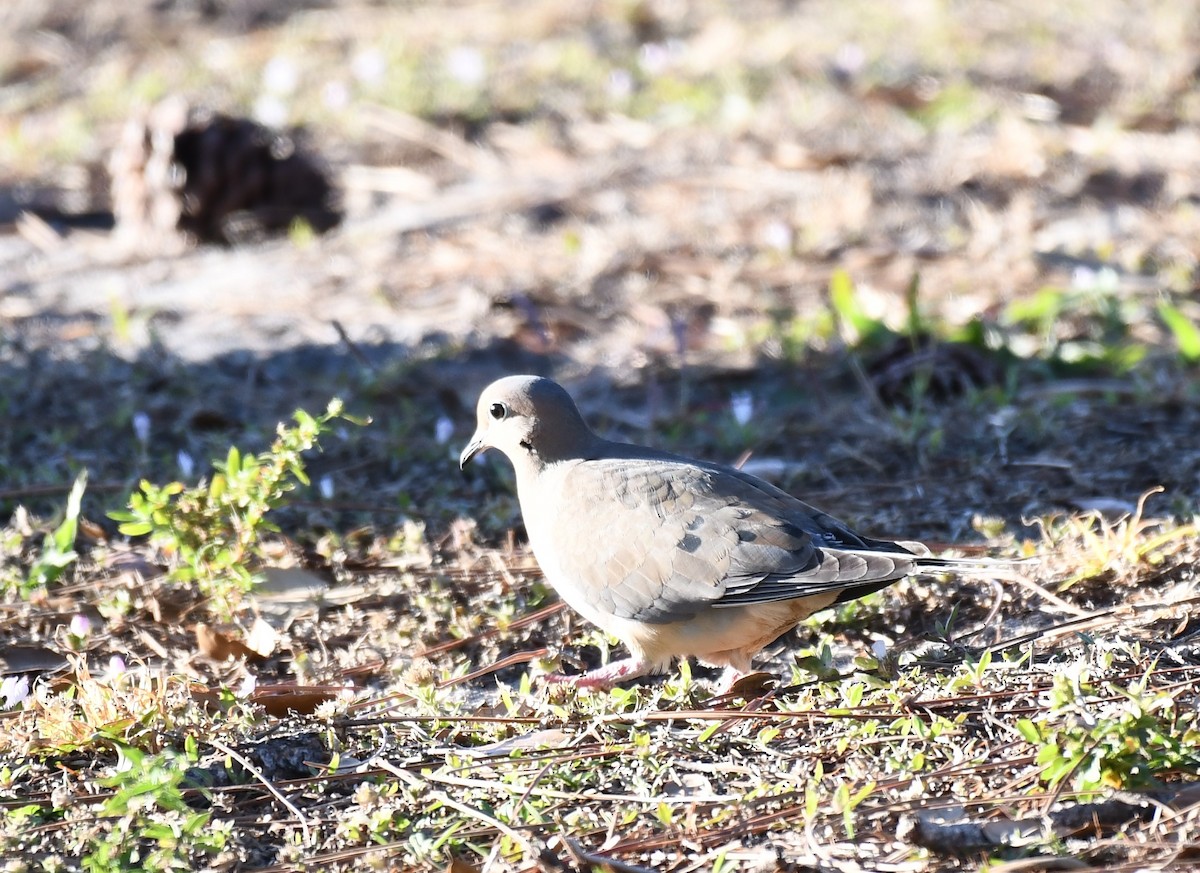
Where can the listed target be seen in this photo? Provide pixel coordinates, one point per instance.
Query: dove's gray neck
(567, 438)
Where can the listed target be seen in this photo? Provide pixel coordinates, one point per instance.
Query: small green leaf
(854, 694)
(812, 801)
(64, 535)
(1185, 331)
(665, 814)
(844, 298)
(1029, 730)
(862, 794)
(1047, 753)
(916, 324)
(1040, 309)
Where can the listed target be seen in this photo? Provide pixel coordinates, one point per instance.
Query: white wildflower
(246, 688)
(80, 626)
(14, 690)
(270, 111)
(777, 235)
(742, 407)
(141, 427)
(281, 75)
(620, 84)
(369, 66)
(466, 66)
(335, 95)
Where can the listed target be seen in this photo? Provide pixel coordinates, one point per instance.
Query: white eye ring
(498, 411)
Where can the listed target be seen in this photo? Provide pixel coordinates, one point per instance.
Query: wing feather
(682, 536)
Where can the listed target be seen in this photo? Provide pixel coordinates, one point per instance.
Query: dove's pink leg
(737, 665)
(729, 676)
(603, 678)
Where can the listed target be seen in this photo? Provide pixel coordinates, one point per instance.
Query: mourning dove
(675, 557)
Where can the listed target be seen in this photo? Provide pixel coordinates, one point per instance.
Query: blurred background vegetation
(931, 265)
(888, 233)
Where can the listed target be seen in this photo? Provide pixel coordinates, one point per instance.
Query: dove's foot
(603, 678)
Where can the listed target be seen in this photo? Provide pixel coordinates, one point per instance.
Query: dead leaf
(278, 700)
(752, 685)
(291, 585)
(92, 531)
(29, 659)
(458, 865)
(550, 738)
(286, 593)
(219, 645)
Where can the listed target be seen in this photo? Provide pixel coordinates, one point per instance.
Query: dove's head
(531, 420)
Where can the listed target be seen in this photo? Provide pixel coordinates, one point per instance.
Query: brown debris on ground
(932, 270)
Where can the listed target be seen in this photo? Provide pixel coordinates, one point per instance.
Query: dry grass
(924, 748)
(660, 204)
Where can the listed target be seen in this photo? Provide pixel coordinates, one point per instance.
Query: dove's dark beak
(474, 447)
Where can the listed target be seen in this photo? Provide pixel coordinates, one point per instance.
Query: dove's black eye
(498, 411)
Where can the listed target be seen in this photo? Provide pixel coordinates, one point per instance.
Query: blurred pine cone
(215, 178)
(908, 367)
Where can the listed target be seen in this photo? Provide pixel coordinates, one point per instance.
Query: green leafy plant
(856, 325)
(1080, 329)
(154, 829)
(1111, 736)
(845, 801)
(213, 530)
(1185, 331)
(58, 548)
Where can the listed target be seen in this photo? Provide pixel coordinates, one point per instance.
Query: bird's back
(654, 537)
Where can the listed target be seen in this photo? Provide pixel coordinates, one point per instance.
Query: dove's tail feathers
(925, 563)
(997, 568)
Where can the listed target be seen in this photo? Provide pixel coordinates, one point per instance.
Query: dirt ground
(931, 267)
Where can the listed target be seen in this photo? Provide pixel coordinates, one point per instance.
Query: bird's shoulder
(629, 478)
